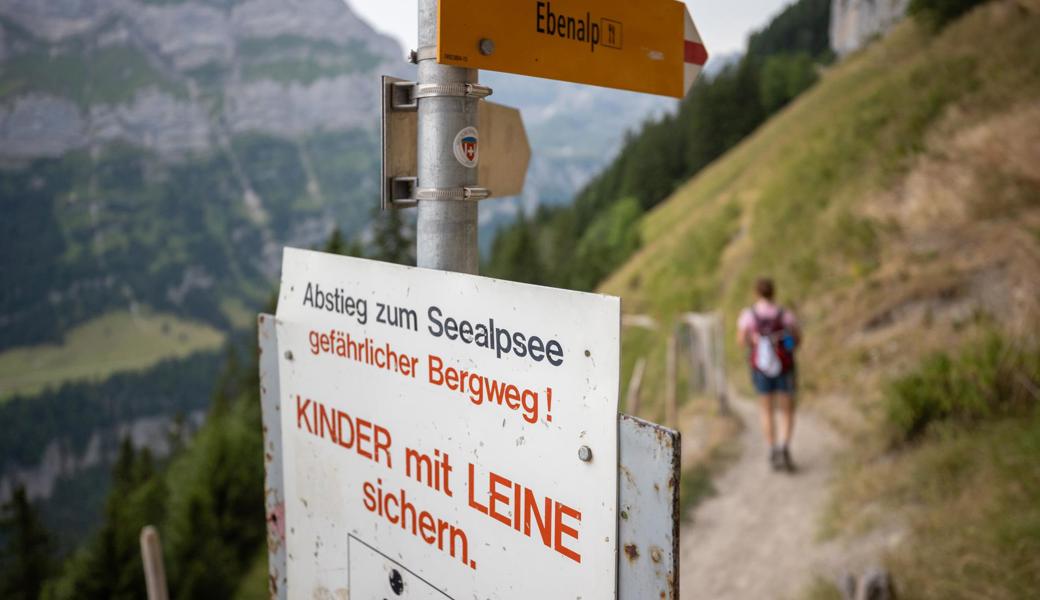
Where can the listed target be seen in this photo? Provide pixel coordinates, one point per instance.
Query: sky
(724, 24)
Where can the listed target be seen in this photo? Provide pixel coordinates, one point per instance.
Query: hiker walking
(770, 334)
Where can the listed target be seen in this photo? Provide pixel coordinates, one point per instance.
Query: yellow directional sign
(646, 46)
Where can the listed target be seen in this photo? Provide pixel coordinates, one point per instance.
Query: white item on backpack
(766, 360)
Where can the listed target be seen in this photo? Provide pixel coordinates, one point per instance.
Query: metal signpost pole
(446, 236)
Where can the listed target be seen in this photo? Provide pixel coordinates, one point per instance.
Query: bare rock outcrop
(855, 22)
(196, 72)
(40, 125)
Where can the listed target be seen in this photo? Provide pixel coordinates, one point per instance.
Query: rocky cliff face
(175, 76)
(856, 22)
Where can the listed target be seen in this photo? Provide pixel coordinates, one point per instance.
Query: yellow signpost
(647, 46)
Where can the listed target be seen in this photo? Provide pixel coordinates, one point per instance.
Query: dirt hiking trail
(756, 537)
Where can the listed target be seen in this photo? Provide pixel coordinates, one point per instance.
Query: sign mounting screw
(487, 46)
(585, 454)
(396, 583)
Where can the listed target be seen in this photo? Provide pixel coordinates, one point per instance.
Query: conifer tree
(392, 239)
(25, 561)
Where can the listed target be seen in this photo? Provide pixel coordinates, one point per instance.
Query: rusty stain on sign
(274, 489)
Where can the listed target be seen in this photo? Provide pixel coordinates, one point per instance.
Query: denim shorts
(784, 383)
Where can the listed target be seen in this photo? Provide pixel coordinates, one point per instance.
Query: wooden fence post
(671, 411)
(634, 385)
(152, 558)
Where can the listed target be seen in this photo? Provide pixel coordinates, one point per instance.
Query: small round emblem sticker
(466, 147)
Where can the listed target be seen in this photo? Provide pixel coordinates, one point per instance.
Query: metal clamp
(461, 193)
(464, 90)
(404, 95)
(424, 53)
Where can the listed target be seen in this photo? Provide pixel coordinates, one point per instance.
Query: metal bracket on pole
(399, 175)
(504, 154)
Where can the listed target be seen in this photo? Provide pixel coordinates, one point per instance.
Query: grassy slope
(860, 199)
(117, 341)
(898, 205)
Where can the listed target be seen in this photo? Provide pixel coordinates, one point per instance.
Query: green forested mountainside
(116, 342)
(208, 500)
(123, 228)
(71, 414)
(576, 246)
(70, 418)
(158, 154)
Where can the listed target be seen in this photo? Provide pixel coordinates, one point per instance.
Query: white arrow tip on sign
(695, 55)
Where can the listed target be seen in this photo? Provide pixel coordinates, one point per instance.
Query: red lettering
(426, 524)
(435, 364)
(542, 520)
(494, 389)
(512, 397)
(561, 511)
(363, 437)
(473, 503)
(495, 480)
(397, 510)
(382, 444)
(325, 423)
(301, 414)
(368, 439)
(451, 378)
(549, 516)
(343, 431)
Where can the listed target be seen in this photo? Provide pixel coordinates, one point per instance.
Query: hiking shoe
(776, 459)
(785, 460)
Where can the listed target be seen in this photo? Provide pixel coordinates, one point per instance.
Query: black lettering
(362, 311)
(466, 332)
(554, 352)
(568, 27)
(502, 342)
(520, 344)
(536, 348)
(433, 313)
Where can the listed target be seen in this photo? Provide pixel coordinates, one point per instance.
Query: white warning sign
(445, 435)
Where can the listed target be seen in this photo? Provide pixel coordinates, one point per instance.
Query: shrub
(990, 378)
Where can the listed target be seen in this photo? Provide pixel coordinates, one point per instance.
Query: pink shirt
(765, 310)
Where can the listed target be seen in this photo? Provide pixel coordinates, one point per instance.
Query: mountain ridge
(161, 152)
